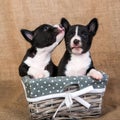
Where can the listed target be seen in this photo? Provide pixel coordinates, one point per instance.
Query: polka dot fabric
(53, 85)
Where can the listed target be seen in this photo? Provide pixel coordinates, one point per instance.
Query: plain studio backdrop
(29, 14)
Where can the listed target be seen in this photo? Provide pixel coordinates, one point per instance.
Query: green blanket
(53, 85)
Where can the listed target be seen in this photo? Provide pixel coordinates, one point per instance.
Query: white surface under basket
(63, 98)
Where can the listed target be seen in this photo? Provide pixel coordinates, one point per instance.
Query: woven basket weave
(47, 107)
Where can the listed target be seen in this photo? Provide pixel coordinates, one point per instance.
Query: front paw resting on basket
(35, 73)
(95, 74)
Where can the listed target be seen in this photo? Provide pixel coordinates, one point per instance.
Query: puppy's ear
(64, 22)
(93, 26)
(28, 35)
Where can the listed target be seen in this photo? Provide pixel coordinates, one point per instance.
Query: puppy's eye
(84, 35)
(71, 33)
(46, 28)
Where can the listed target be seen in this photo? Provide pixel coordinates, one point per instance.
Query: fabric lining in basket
(63, 98)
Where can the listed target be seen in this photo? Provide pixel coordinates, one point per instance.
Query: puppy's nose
(76, 41)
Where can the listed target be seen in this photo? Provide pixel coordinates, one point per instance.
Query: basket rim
(38, 86)
(58, 95)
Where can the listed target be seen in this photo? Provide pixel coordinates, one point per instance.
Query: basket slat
(45, 110)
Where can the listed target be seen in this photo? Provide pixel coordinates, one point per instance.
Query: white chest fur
(78, 64)
(37, 64)
(42, 57)
(39, 61)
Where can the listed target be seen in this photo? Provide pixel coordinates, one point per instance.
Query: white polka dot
(71, 82)
(53, 87)
(41, 86)
(28, 91)
(88, 77)
(81, 78)
(98, 86)
(102, 82)
(61, 87)
(46, 89)
(38, 90)
(93, 81)
(81, 85)
(49, 85)
(74, 78)
(85, 81)
(57, 90)
(43, 93)
(64, 83)
(30, 86)
(33, 81)
(52, 81)
(37, 84)
(56, 83)
(59, 79)
(50, 91)
(67, 79)
(31, 93)
(44, 82)
(35, 95)
(34, 88)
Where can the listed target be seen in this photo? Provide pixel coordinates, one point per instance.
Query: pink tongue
(75, 47)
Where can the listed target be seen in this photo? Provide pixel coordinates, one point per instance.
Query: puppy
(37, 61)
(77, 59)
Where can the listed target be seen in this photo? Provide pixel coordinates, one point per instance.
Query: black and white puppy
(77, 60)
(37, 61)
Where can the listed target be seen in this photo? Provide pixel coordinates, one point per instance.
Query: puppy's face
(78, 38)
(44, 36)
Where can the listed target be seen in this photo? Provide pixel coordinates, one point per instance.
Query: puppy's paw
(35, 73)
(39, 75)
(95, 74)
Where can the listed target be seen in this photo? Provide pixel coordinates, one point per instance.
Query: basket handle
(71, 86)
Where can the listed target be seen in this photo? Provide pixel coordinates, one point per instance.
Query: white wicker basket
(63, 98)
